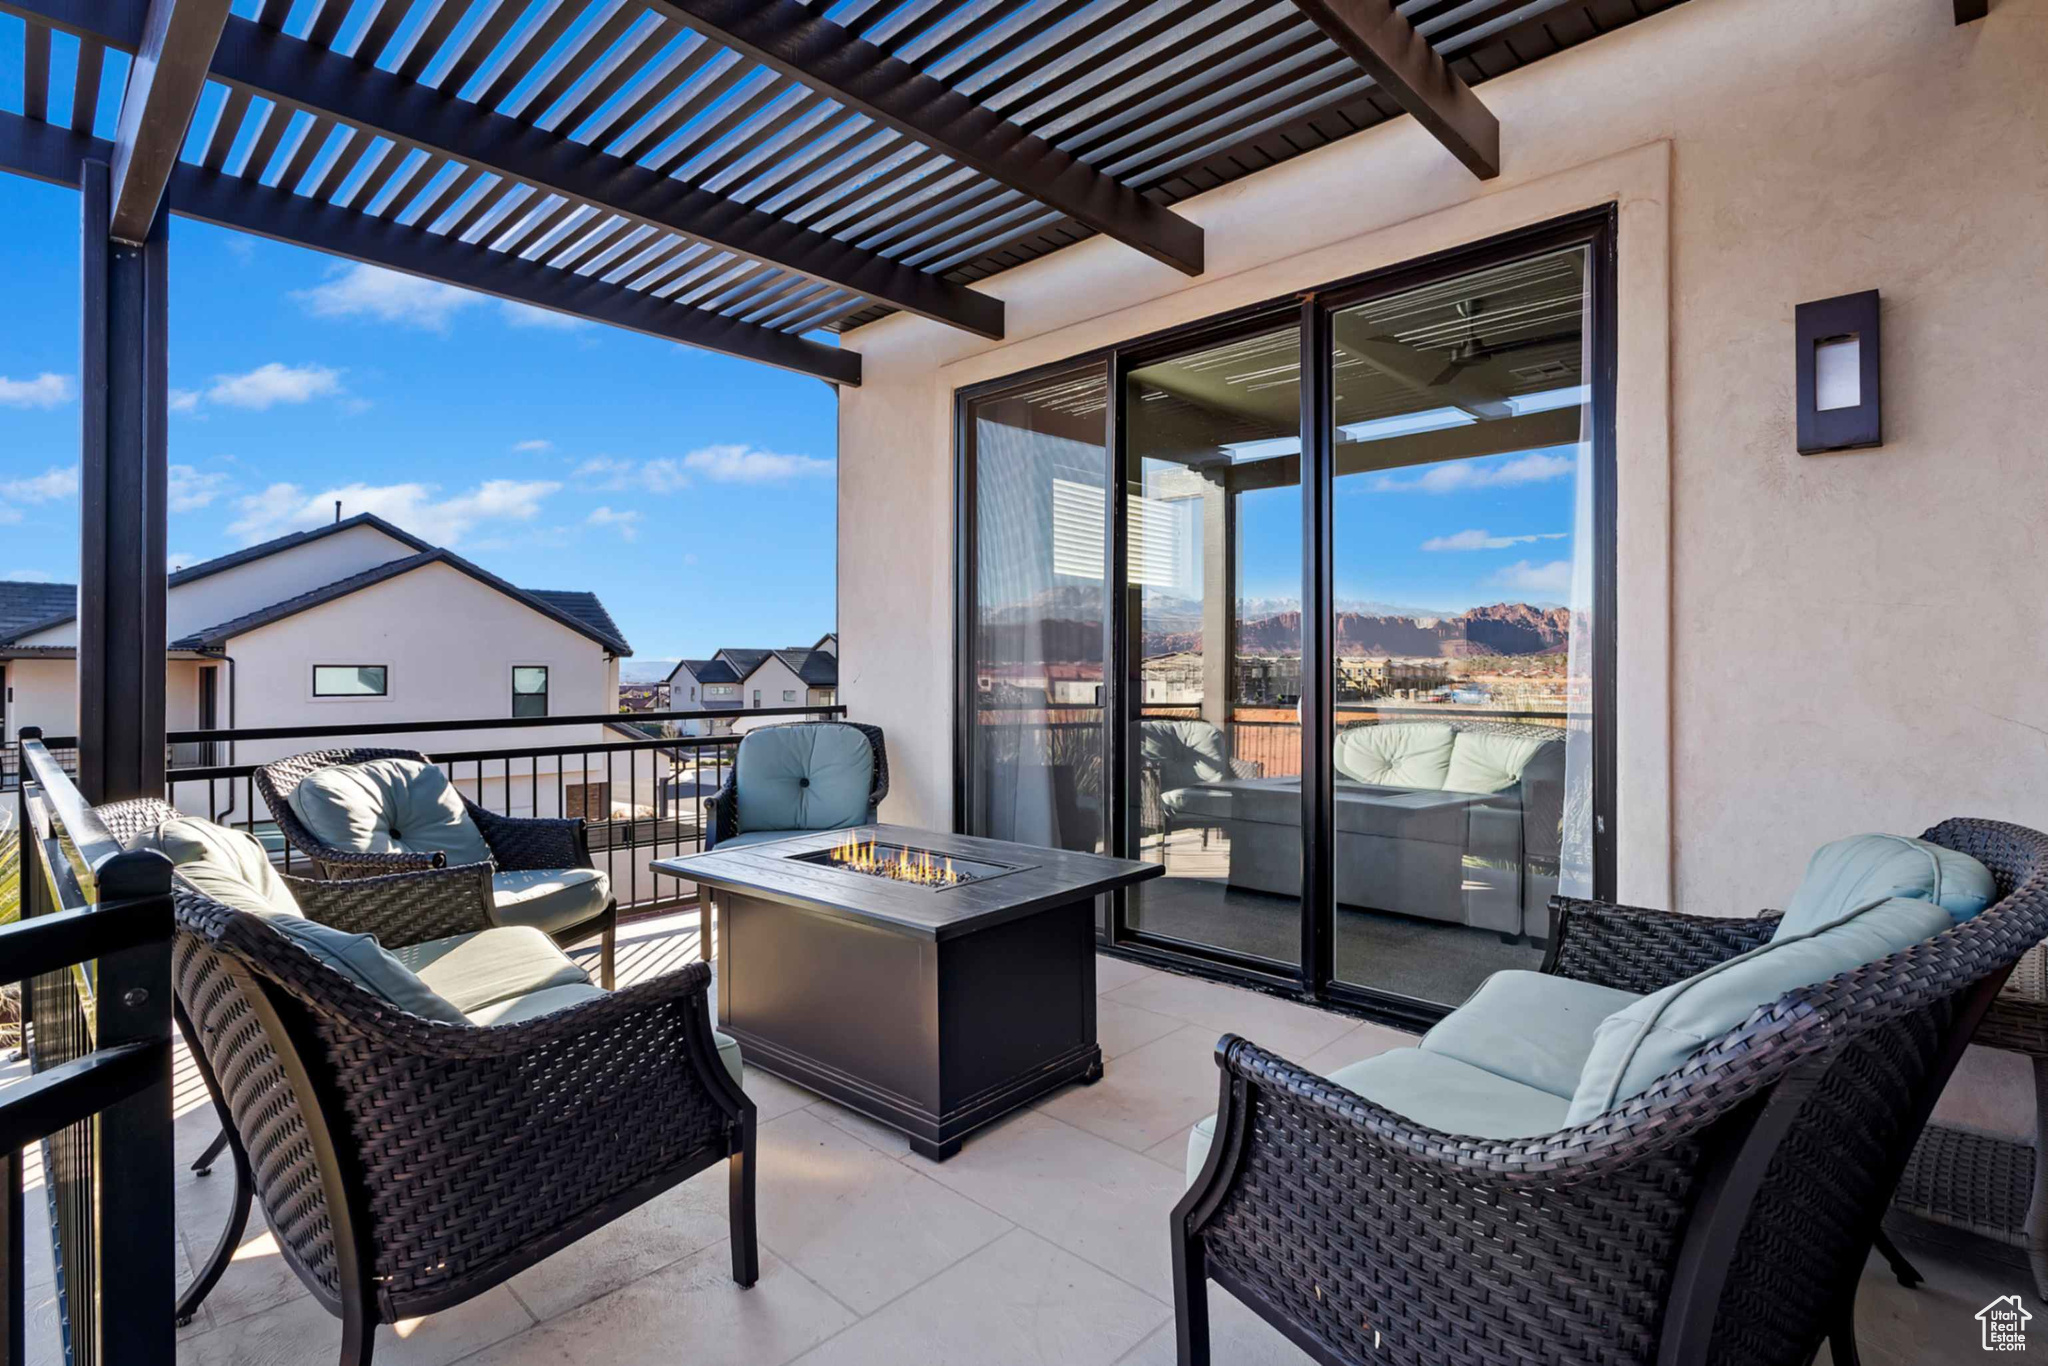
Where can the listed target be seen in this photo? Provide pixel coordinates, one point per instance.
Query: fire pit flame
(919, 866)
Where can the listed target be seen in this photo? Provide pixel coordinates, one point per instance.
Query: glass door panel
(1034, 738)
(1462, 623)
(1213, 522)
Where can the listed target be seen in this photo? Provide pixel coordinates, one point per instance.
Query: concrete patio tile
(690, 1312)
(301, 1333)
(1936, 1321)
(1083, 1193)
(1018, 1302)
(1148, 1094)
(883, 1139)
(1113, 973)
(1172, 1153)
(1119, 1028)
(772, 1096)
(675, 1224)
(258, 1278)
(1284, 1027)
(863, 1227)
(1236, 1335)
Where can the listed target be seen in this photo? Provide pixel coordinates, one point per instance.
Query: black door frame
(1313, 979)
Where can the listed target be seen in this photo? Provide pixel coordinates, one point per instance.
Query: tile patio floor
(1043, 1243)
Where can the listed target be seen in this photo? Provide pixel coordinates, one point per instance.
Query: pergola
(741, 176)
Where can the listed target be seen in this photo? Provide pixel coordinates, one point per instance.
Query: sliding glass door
(1313, 609)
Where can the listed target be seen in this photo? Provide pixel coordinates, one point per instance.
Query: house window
(788, 696)
(591, 801)
(757, 697)
(351, 680)
(530, 690)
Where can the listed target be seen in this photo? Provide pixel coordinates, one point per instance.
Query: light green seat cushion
(813, 777)
(389, 806)
(481, 968)
(1431, 1089)
(1636, 1046)
(747, 837)
(1407, 754)
(1861, 869)
(361, 959)
(1489, 761)
(1528, 1027)
(550, 899)
(226, 864)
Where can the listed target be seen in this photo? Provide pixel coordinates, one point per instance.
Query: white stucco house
(752, 680)
(352, 624)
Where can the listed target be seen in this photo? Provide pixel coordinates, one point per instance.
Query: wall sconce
(1839, 408)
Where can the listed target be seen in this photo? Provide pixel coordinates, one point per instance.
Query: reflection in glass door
(1213, 525)
(1461, 623)
(1032, 740)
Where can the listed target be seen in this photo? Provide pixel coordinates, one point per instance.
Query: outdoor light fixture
(1839, 406)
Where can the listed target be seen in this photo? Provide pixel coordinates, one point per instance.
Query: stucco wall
(1845, 643)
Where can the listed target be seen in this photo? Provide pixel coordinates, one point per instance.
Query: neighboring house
(754, 680)
(355, 623)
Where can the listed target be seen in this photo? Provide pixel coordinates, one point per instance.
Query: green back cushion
(1635, 1046)
(389, 806)
(226, 864)
(1414, 754)
(1183, 753)
(1491, 761)
(814, 777)
(361, 959)
(1864, 868)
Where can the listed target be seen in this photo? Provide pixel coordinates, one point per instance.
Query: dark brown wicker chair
(406, 1166)
(1723, 1216)
(518, 843)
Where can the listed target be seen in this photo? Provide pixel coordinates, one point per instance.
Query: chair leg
(1908, 1274)
(204, 1166)
(611, 945)
(1190, 1301)
(223, 1253)
(358, 1335)
(746, 1254)
(1842, 1341)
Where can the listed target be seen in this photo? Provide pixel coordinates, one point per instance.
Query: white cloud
(526, 315)
(28, 576)
(181, 559)
(275, 383)
(184, 400)
(627, 523)
(1553, 580)
(1533, 468)
(190, 489)
(745, 465)
(361, 291)
(535, 445)
(1483, 540)
(46, 390)
(9, 516)
(58, 481)
(441, 521)
(662, 475)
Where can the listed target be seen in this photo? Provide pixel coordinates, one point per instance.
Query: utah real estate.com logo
(2005, 1324)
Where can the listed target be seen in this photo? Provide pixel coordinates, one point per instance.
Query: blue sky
(692, 492)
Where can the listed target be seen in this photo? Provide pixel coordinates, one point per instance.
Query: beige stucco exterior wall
(1843, 643)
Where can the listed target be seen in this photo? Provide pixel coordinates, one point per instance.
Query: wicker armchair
(517, 843)
(1722, 1217)
(722, 808)
(406, 1166)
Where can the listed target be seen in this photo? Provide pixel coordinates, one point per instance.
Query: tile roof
(586, 608)
(31, 606)
(290, 542)
(817, 668)
(745, 662)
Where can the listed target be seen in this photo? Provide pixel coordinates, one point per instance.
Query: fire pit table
(931, 982)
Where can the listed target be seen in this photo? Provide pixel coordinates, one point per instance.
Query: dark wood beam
(264, 61)
(164, 84)
(1970, 11)
(1401, 62)
(47, 152)
(784, 36)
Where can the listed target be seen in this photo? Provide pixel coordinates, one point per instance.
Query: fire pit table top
(995, 880)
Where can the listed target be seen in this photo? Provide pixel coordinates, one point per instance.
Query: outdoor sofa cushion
(746, 837)
(1489, 761)
(813, 777)
(1183, 753)
(483, 967)
(389, 806)
(1863, 869)
(1637, 1045)
(551, 899)
(1434, 1089)
(1406, 754)
(1529, 1027)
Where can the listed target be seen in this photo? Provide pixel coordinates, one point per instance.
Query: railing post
(133, 1148)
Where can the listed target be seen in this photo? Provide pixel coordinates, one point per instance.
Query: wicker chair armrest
(402, 908)
(722, 811)
(345, 864)
(1634, 948)
(519, 843)
(1247, 768)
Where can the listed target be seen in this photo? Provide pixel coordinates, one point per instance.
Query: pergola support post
(123, 378)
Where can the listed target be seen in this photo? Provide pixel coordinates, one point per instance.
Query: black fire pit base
(930, 1010)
